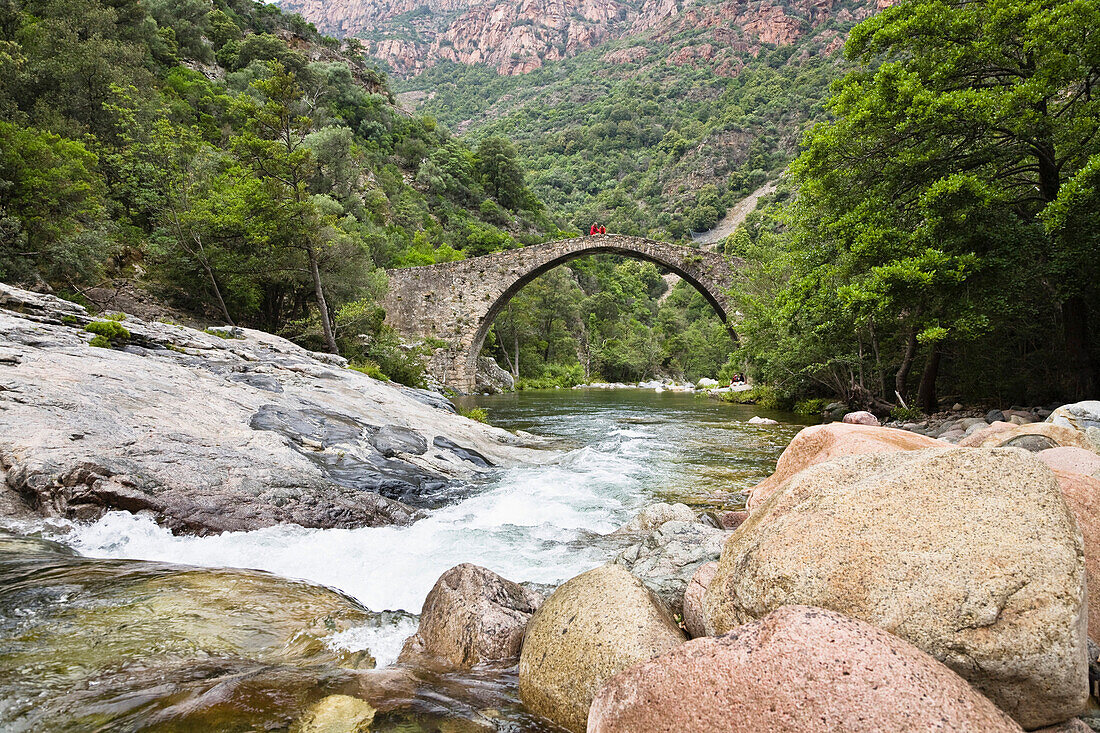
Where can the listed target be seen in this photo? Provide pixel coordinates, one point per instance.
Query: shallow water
(616, 451)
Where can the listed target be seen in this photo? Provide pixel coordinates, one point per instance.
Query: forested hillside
(230, 158)
(943, 235)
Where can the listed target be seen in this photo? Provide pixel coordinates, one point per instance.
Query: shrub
(812, 407)
(480, 414)
(370, 368)
(107, 333)
(906, 414)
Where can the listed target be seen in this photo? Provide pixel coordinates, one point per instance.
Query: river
(614, 452)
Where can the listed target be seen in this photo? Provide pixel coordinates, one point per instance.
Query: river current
(613, 453)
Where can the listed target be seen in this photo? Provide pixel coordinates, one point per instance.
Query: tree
(959, 129)
(274, 146)
(501, 174)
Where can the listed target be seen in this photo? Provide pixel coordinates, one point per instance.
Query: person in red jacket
(603, 229)
(594, 230)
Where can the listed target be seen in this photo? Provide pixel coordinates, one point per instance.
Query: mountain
(516, 37)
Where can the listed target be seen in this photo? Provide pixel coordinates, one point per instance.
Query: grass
(370, 368)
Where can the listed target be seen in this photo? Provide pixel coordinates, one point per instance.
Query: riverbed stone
(1074, 460)
(336, 714)
(797, 669)
(592, 627)
(970, 554)
(820, 443)
(861, 417)
(669, 556)
(491, 378)
(1082, 494)
(1031, 436)
(654, 515)
(694, 621)
(471, 616)
(1077, 415)
(757, 420)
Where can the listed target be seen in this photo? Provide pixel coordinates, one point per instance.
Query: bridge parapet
(457, 302)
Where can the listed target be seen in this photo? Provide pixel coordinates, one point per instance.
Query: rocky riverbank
(215, 430)
(881, 580)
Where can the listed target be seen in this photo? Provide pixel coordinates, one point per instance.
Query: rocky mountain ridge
(518, 37)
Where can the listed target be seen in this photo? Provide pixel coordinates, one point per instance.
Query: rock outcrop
(471, 615)
(667, 559)
(592, 627)
(797, 669)
(217, 431)
(820, 443)
(970, 554)
(491, 378)
(516, 38)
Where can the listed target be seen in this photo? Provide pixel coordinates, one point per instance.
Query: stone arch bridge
(456, 302)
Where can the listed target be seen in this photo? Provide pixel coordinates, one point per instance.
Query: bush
(554, 376)
(480, 414)
(906, 414)
(107, 333)
(762, 395)
(812, 407)
(370, 368)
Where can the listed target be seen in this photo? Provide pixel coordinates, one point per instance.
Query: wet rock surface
(216, 434)
(471, 616)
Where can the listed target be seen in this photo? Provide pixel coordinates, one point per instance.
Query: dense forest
(234, 161)
(941, 232)
(658, 151)
(934, 235)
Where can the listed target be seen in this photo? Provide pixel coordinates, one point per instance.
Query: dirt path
(735, 216)
(723, 229)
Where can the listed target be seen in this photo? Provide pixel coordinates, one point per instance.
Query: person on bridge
(603, 229)
(594, 230)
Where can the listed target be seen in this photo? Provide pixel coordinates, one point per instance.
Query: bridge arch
(457, 302)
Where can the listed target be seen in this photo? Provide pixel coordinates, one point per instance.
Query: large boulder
(694, 620)
(491, 378)
(861, 417)
(1074, 460)
(1034, 437)
(667, 558)
(820, 443)
(1078, 415)
(471, 615)
(1082, 493)
(592, 627)
(797, 669)
(971, 555)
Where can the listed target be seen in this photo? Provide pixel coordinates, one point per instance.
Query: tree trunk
(1075, 323)
(326, 322)
(926, 395)
(906, 363)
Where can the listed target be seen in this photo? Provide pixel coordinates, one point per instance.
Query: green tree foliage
(942, 216)
(272, 192)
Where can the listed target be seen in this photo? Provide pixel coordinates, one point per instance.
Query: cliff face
(518, 36)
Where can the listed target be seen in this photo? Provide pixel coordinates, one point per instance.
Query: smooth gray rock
(666, 559)
(491, 378)
(194, 428)
(393, 439)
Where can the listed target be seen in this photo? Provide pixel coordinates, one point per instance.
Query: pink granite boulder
(798, 669)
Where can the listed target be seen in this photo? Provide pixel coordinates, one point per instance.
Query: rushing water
(615, 452)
